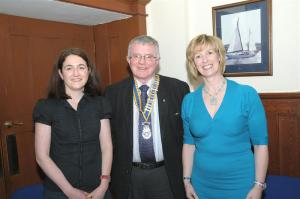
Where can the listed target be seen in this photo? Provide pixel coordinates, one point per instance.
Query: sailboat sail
(251, 44)
(236, 44)
(236, 49)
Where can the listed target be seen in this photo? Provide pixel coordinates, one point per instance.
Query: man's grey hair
(143, 39)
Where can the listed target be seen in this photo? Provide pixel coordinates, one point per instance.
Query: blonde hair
(202, 41)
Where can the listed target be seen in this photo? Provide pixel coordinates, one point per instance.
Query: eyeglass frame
(146, 58)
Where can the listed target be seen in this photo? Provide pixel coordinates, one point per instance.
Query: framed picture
(246, 31)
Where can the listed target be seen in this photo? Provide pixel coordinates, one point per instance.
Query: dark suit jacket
(170, 94)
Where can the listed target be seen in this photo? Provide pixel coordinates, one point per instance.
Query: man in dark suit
(146, 128)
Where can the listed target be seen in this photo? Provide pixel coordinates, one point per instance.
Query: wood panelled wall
(111, 41)
(29, 48)
(283, 115)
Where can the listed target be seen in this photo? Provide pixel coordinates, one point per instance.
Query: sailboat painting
(242, 40)
(245, 29)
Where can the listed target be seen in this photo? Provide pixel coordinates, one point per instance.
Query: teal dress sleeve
(256, 117)
(188, 138)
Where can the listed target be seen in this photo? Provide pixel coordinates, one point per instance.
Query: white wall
(175, 22)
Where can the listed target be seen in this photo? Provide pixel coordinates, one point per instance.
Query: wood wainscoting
(283, 115)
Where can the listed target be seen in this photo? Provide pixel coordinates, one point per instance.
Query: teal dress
(223, 165)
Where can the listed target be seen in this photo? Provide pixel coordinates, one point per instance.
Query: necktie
(145, 142)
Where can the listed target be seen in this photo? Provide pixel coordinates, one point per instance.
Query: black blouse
(75, 146)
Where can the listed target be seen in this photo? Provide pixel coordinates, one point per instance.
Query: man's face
(143, 61)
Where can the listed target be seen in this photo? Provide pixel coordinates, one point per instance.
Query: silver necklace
(213, 98)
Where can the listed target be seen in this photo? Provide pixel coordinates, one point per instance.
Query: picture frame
(246, 31)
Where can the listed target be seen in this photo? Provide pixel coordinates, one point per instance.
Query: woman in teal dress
(225, 152)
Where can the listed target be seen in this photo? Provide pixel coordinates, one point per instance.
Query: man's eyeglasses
(147, 58)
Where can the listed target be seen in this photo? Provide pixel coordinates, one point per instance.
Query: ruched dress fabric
(223, 166)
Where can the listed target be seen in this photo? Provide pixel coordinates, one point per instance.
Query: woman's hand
(99, 192)
(255, 193)
(189, 190)
(76, 194)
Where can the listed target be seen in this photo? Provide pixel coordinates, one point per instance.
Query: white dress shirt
(155, 129)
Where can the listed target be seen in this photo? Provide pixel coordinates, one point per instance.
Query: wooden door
(17, 96)
(2, 180)
(18, 93)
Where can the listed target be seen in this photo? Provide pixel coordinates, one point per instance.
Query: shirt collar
(149, 83)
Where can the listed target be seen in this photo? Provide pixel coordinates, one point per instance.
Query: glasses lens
(147, 58)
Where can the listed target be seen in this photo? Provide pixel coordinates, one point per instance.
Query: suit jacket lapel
(162, 107)
(128, 108)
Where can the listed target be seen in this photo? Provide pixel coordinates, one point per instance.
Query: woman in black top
(72, 131)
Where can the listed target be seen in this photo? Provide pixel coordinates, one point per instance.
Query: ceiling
(53, 10)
